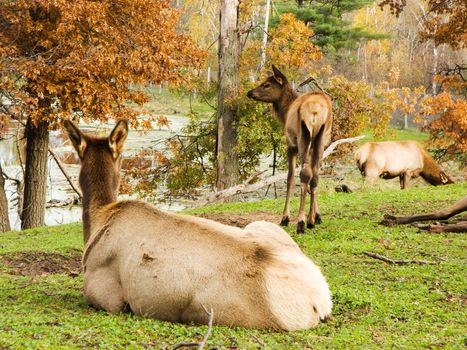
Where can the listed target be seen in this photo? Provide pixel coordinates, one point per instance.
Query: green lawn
(399, 135)
(376, 305)
(164, 101)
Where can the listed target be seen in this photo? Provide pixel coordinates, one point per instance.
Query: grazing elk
(170, 267)
(307, 121)
(442, 214)
(406, 159)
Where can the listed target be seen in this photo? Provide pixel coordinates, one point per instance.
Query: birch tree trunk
(4, 220)
(265, 34)
(229, 54)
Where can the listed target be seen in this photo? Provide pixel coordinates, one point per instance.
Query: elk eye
(267, 86)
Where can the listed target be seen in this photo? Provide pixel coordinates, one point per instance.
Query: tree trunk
(229, 53)
(4, 220)
(265, 34)
(35, 176)
(434, 70)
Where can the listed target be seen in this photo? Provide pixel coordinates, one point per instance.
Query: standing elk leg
(371, 175)
(306, 174)
(314, 216)
(292, 159)
(404, 180)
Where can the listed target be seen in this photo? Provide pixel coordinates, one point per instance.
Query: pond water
(58, 188)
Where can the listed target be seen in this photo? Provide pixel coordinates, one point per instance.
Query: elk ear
(278, 76)
(117, 138)
(77, 138)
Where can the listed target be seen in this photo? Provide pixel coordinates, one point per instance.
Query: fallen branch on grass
(247, 187)
(398, 262)
(260, 342)
(460, 226)
(202, 343)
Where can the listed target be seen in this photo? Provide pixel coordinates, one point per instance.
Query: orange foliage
(445, 22)
(291, 44)
(449, 130)
(68, 59)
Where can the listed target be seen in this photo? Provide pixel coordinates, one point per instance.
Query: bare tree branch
(202, 343)
(397, 262)
(65, 173)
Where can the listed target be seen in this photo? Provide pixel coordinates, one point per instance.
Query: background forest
(386, 66)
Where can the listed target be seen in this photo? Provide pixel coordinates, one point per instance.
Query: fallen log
(248, 187)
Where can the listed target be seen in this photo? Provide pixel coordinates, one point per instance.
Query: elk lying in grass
(442, 214)
(170, 267)
(406, 159)
(307, 121)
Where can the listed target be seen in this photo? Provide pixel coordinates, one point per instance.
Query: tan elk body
(307, 121)
(170, 267)
(403, 159)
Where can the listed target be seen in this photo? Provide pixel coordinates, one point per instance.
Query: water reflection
(58, 188)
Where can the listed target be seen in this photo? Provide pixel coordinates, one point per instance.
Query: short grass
(395, 134)
(376, 305)
(170, 102)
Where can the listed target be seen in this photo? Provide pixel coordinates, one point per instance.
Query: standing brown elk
(171, 267)
(403, 159)
(307, 121)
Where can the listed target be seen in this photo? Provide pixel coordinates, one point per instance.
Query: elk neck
(99, 183)
(431, 171)
(282, 105)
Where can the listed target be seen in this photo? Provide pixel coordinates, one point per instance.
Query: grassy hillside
(376, 305)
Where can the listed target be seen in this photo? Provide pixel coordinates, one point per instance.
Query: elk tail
(307, 131)
(360, 159)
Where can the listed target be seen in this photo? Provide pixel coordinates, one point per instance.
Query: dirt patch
(241, 220)
(40, 263)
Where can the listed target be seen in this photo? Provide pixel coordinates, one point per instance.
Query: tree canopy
(445, 22)
(331, 30)
(62, 59)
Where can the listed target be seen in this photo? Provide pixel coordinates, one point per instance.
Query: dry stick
(67, 176)
(245, 186)
(398, 262)
(202, 343)
(263, 344)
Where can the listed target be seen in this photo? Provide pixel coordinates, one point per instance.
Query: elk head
(445, 178)
(100, 156)
(270, 90)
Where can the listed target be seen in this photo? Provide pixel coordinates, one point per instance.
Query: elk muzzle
(251, 94)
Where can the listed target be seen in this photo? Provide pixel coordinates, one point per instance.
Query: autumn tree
(78, 59)
(326, 17)
(445, 22)
(444, 114)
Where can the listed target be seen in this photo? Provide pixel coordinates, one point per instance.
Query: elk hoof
(310, 225)
(318, 220)
(285, 221)
(301, 227)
